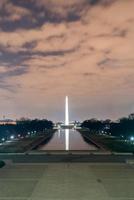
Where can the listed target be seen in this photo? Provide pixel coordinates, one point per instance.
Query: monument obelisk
(66, 112)
(66, 124)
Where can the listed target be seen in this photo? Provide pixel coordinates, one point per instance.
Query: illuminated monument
(66, 124)
(66, 112)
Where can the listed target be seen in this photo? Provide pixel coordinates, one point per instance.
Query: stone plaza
(67, 181)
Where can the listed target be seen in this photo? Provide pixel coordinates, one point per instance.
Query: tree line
(24, 127)
(123, 127)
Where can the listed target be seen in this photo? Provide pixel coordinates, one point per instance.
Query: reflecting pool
(67, 139)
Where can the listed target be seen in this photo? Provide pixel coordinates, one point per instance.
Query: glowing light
(59, 133)
(66, 112)
(3, 139)
(67, 139)
(132, 138)
(12, 137)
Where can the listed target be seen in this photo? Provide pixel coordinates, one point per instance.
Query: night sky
(53, 48)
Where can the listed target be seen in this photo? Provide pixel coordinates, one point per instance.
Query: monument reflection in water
(67, 139)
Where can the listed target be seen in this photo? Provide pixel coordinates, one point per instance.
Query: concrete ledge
(72, 158)
(131, 162)
(63, 152)
(8, 162)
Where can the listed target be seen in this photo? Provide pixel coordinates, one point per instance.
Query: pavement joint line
(116, 179)
(13, 198)
(18, 179)
(36, 164)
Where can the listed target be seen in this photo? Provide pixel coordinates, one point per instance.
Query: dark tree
(23, 126)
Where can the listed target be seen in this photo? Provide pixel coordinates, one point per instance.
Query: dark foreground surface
(67, 181)
(80, 157)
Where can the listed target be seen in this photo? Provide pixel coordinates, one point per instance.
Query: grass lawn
(110, 143)
(25, 144)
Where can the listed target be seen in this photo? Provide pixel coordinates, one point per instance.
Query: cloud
(7, 75)
(15, 72)
(28, 53)
(82, 48)
(15, 13)
(12, 16)
(60, 10)
(34, 14)
(3, 3)
(29, 45)
(7, 72)
(12, 58)
(109, 63)
(87, 74)
(8, 87)
(69, 11)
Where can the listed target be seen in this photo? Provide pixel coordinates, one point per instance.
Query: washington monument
(66, 124)
(66, 112)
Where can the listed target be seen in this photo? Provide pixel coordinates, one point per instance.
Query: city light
(12, 137)
(3, 139)
(132, 138)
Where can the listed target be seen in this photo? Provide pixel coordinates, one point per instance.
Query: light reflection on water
(67, 139)
(59, 133)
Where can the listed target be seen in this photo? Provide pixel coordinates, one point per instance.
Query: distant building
(7, 121)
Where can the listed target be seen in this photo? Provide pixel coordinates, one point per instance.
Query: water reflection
(44, 142)
(59, 133)
(67, 139)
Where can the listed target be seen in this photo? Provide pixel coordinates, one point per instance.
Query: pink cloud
(65, 57)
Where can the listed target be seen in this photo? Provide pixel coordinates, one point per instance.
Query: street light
(12, 137)
(3, 139)
(132, 138)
